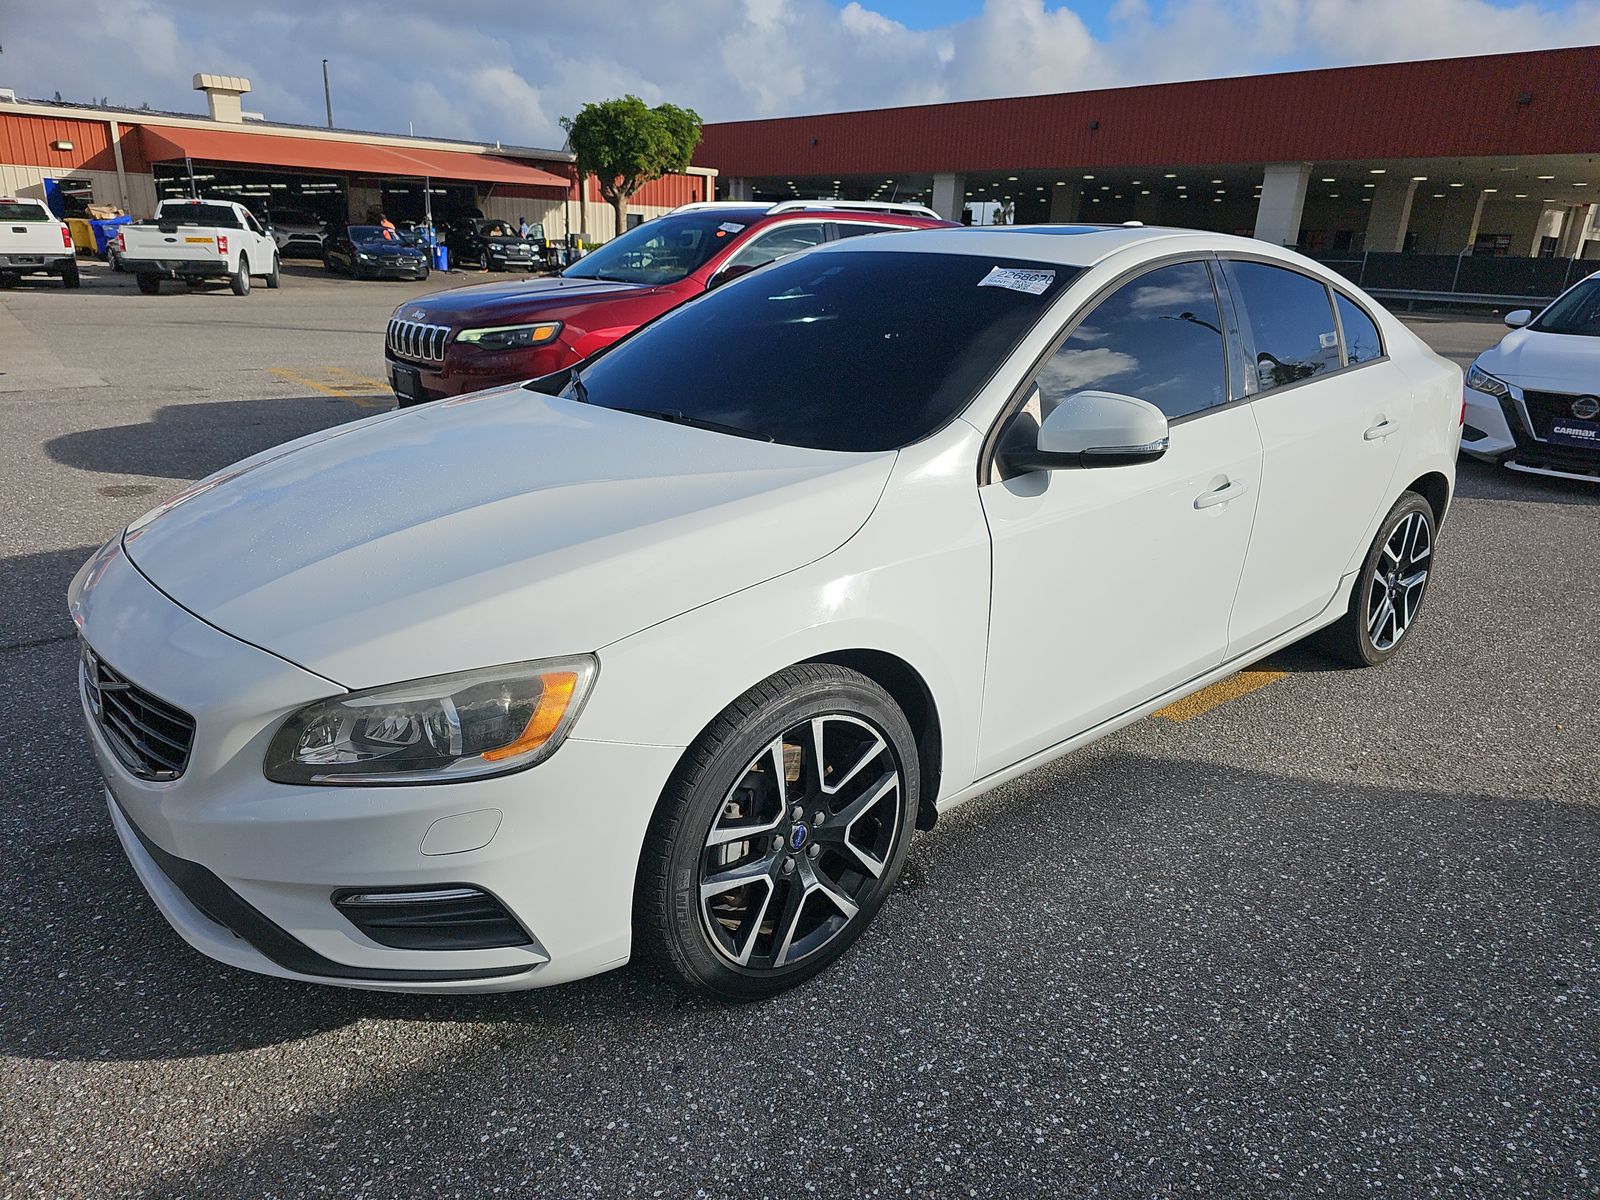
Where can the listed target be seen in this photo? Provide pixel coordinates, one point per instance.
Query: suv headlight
(511, 337)
(1480, 380)
(448, 727)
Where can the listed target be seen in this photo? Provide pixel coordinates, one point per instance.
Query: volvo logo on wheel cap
(797, 836)
(1586, 408)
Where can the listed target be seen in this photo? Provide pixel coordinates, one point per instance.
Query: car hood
(498, 527)
(1561, 361)
(513, 298)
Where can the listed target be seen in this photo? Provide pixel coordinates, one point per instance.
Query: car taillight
(1463, 420)
(122, 243)
(222, 243)
(66, 238)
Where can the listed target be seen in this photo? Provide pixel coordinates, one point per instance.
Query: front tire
(274, 276)
(780, 834)
(239, 281)
(1390, 588)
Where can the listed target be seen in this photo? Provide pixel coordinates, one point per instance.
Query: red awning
(166, 143)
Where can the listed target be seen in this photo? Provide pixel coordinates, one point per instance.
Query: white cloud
(509, 70)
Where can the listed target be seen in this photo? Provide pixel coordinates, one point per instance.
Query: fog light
(448, 916)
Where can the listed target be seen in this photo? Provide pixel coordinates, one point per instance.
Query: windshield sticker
(729, 227)
(1032, 282)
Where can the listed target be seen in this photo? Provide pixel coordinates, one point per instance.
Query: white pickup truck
(34, 242)
(194, 240)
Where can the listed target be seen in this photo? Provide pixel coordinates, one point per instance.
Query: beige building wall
(29, 181)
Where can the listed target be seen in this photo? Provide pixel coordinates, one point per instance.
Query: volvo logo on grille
(1586, 408)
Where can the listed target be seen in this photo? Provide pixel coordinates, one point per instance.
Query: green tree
(625, 144)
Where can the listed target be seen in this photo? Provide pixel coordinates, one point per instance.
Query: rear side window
(779, 243)
(21, 210)
(1158, 338)
(1361, 340)
(1289, 319)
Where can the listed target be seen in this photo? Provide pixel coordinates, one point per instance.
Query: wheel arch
(1435, 489)
(910, 691)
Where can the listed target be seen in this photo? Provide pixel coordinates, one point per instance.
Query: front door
(1112, 585)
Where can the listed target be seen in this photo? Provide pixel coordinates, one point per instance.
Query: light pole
(327, 94)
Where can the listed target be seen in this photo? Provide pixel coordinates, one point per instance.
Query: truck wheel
(149, 284)
(8, 280)
(239, 281)
(69, 275)
(272, 275)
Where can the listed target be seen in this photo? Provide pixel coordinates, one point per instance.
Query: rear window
(199, 214)
(22, 210)
(861, 351)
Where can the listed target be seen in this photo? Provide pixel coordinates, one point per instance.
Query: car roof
(1065, 245)
(762, 213)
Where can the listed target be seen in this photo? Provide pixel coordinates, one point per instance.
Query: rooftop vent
(222, 95)
(8, 96)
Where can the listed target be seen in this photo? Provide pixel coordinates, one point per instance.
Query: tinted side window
(1290, 320)
(1158, 337)
(785, 240)
(850, 229)
(1361, 340)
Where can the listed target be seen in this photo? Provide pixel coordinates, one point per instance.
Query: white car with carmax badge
(1533, 401)
(669, 653)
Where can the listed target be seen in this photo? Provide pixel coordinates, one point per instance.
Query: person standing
(522, 227)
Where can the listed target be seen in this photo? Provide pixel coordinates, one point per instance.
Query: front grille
(417, 341)
(1533, 448)
(149, 736)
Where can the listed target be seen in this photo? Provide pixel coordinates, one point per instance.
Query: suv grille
(151, 737)
(413, 339)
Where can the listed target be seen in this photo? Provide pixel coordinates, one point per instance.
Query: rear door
(1332, 409)
(1113, 585)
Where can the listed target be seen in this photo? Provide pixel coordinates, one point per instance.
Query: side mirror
(1095, 429)
(732, 271)
(1519, 317)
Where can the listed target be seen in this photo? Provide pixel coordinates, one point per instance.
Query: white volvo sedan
(671, 657)
(1533, 401)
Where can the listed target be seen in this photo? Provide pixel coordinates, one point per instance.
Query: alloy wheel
(1398, 580)
(800, 839)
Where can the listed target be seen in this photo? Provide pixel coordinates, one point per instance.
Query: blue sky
(511, 69)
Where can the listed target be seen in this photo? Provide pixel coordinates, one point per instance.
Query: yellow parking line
(1220, 692)
(341, 389)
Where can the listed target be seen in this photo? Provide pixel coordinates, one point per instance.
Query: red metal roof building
(132, 158)
(1495, 151)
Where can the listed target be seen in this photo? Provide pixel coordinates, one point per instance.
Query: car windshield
(857, 350)
(1578, 312)
(372, 233)
(660, 251)
(14, 210)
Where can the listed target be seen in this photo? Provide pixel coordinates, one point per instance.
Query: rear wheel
(780, 835)
(1390, 588)
(273, 276)
(69, 275)
(148, 284)
(239, 281)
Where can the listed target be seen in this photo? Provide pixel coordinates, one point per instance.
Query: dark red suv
(477, 337)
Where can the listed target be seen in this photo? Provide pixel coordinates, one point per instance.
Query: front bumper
(1505, 430)
(246, 870)
(466, 369)
(392, 270)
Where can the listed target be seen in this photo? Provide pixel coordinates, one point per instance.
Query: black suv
(493, 244)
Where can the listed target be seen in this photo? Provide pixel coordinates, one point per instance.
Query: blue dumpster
(441, 257)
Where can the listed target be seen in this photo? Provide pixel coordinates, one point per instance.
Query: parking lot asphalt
(1331, 933)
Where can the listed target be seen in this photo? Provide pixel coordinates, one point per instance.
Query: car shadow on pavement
(1285, 962)
(33, 595)
(1477, 480)
(188, 441)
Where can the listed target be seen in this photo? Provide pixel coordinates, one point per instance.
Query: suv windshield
(660, 251)
(1577, 312)
(857, 350)
(22, 210)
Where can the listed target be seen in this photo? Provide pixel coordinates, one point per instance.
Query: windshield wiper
(679, 417)
(580, 392)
